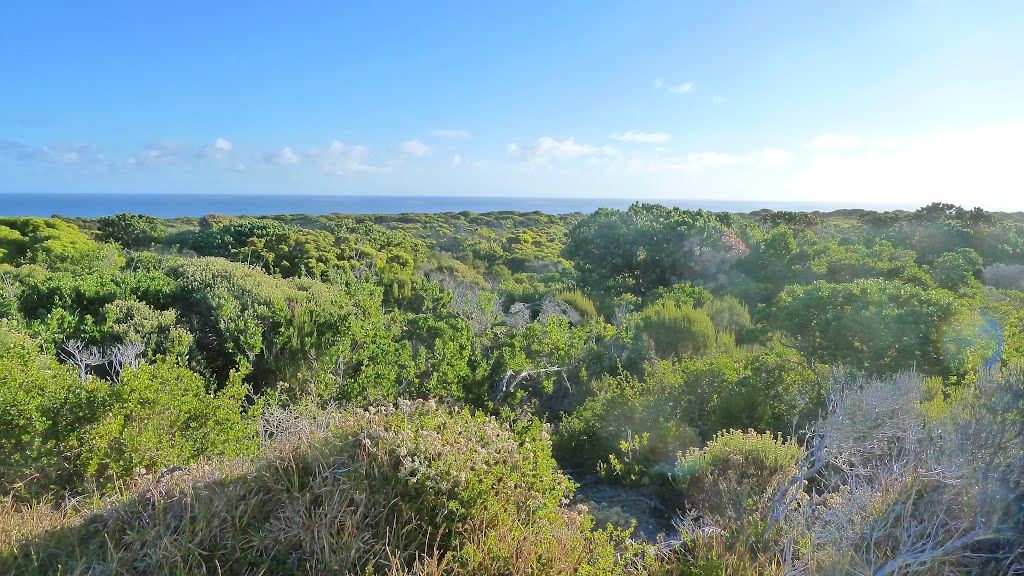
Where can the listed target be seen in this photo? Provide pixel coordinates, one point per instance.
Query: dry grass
(413, 489)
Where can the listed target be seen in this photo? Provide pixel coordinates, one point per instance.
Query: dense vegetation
(648, 391)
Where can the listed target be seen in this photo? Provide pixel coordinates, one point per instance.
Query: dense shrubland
(648, 391)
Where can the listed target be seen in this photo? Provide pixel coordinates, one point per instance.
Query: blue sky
(903, 101)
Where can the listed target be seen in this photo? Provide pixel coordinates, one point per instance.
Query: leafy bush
(131, 230)
(45, 414)
(162, 415)
(728, 314)
(958, 271)
(632, 429)
(62, 434)
(649, 246)
(776, 392)
(874, 325)
(157, 330)
(626, 432)
(295, 331)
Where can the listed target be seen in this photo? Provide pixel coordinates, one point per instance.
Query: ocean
(177, 205)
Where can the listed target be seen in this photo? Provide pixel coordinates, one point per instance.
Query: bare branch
(505, 387)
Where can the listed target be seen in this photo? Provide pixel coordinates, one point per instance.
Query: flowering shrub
(732, 480)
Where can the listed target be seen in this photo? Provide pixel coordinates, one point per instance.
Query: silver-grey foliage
(473, 304)
(1004, 276)
(898, 492)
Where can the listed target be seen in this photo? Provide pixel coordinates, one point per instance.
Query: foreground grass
(411, 489)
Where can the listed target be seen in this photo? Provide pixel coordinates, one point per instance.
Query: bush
(132, 230)
(632, 429)
(292, 332)
(580, 303)
(676, 331)
(728, 314)
(162, 415)
(626, 432)
(157, 330)
(45, 412)
(730, 483)
(776, 392)
(408, 489)
(878, 326)
(958, 271)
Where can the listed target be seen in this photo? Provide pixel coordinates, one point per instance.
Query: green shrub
(676, 331)
(580, 303)
(156, 330)
(730, 482)
(625, 432)
(131, 230)
(45, 413)
(162, 415)
(728, 314)
(61, 434)
(775, 392)
(878, 326)
(290, 333)
(631, 428)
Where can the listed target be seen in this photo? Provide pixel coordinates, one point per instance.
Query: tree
(650, 246)
(958, 271)
(880, 326)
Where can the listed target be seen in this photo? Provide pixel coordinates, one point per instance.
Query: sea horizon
(94, 205)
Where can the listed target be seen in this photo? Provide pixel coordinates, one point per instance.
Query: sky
(874, 101)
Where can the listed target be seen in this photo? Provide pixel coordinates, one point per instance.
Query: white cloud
(963, 167)
(833, 142)
(457, 160)
(767, 157)
(413, 149)
(283, 157)
(684, 88)
(700, 161)
(56, 153)
(218, 151)
(713, 159)
(641, 137)
(771, 157)
(454, 134)
(160, 153)
(659, 83)
(341, 158)
(547, 150)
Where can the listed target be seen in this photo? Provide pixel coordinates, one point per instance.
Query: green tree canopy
(880, 326)
(650, 246)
